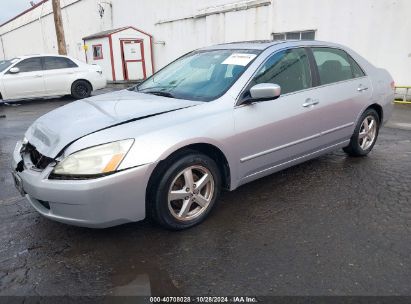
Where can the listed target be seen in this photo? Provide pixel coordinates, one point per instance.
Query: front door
(275, 132)
(29, 82)
(132, 53)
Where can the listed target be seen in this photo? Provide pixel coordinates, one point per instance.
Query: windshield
(4, 64)
(200, 75)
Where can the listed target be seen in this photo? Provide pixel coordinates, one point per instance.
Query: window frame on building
(284, 35)
(95, 47)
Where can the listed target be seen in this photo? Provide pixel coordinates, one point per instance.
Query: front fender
(154, 152)
(193, 141)
(158, 137)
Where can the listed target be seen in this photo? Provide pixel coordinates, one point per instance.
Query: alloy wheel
(191, 193)
(368, 132)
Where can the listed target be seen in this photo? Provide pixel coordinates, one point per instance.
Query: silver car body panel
(97, 203)
(256, 139)
(52, 132)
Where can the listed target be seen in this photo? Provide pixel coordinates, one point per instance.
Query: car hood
(51, 133)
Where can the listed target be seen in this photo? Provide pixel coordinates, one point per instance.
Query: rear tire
(365, 134)
(185, 191)
(81, 89)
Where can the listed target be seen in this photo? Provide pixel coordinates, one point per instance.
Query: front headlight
(93, 161)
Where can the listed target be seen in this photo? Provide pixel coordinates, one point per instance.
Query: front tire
(365, 134)
(81, 89)
(186, 191)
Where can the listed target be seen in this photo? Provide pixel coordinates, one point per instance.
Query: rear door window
(335, 65)
(56, 63)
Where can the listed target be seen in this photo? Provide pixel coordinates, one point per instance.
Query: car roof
(264, 44)
(41, 55)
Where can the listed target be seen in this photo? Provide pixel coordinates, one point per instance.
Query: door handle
(38, 76)
(361, 88)
(310, 102)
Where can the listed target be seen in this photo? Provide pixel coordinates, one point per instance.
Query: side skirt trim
(296, 159)
(247, 158)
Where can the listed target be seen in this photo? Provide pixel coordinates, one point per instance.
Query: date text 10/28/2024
(209, 299)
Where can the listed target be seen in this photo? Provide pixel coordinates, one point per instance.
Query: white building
(377, 29)
(33, 32)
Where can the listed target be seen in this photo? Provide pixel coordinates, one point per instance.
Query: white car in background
(48, 75)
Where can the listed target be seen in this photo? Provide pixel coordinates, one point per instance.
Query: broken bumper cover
(96, 203)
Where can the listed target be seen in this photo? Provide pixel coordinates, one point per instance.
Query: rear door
(59, 73)
(29, 82)
(343, 88)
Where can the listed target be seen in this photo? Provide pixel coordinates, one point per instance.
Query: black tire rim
(81, 90)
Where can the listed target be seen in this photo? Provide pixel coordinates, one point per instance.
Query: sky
(11, 8)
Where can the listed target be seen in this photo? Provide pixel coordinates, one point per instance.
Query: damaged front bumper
(97, 203)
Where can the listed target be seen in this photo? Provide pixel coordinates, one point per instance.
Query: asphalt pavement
(331, 226)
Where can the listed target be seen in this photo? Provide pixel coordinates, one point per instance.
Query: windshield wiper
(160, 93)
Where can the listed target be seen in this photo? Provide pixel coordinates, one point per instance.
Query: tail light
(393, 85)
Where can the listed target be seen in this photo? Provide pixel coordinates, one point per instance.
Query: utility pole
(58, 22)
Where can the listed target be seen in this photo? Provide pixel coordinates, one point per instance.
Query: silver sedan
(218, 117)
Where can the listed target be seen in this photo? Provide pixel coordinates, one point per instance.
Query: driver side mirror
(14, 70)
(262, 92)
